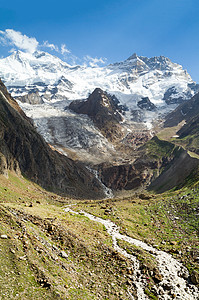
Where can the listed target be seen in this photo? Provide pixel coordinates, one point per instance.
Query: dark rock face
(171, 96)
(159, 173)
(146, 104)
(195, 277)
(127, 176)
(22, 148)
(7, 97)
(184, 111)
(103, 109)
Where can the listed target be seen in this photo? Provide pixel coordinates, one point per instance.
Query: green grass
(157, 148)
(20, 282)
(91, 266)
(150, 294)
(168, 222)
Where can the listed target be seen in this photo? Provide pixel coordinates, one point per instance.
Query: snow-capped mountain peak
(22, 69)
(157, 78)
(133, 56)
(142, 87)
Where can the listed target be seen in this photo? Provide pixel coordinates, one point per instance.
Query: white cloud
(19, 40)
(94, 61)
(16, 40)
(64, 50)
(11, 37)
(51, 46)
(11, 50)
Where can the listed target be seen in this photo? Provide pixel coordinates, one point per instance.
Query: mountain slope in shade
(23, 150)
(188, 135)
(161, 166)
(185, 111)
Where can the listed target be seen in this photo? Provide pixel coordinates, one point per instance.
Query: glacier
(52, 84)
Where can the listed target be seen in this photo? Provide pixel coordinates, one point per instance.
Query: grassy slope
(38, 230)
(158, 149)
(170, 223)
(173, 164)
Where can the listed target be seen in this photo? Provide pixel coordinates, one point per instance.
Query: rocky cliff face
(103, 110)
(23, 150)
(160, 167)
(185, 111)
(127, 176)
(145, 103)
(8, 98)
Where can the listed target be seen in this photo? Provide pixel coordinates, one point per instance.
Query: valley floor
(49, 253)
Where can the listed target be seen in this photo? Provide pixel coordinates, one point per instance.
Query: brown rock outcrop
(154, 170)
(103, 109)
(127, 176)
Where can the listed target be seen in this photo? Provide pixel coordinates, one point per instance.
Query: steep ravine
(174, 274)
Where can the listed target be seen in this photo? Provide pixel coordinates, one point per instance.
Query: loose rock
(63, 254)
(195, 277)
(4, 236)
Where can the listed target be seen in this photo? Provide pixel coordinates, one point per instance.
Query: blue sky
(111, 29)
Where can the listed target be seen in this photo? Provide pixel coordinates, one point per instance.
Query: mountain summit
(157, 78)
(103, 110)
(145, 88)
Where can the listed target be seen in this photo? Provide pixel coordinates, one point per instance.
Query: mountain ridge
(43, 85)
(24, 151)
(137, 75)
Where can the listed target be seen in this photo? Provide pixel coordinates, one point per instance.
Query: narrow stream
(174, 274)
(107, 191)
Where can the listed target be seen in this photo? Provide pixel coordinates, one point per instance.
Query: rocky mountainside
(146, 88)
(104, 111)
(24, 150)
(188, 135)
(160, 166)
(185, 119)
(185, 111)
